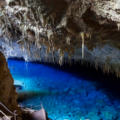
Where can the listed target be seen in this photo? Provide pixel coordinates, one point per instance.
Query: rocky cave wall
(62, 30)
(8, 95)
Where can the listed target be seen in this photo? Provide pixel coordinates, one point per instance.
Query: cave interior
(63, 55)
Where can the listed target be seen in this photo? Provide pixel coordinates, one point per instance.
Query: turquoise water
(65, 96)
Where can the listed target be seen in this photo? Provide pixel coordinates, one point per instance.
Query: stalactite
(46, 53)
(104, 69)
(59, 50)
(25, 17)
(21, 2)
(108, 70)
(49, 41)
(39, 46)
(69, 55)
(50, 35)
(15, 33)
(20, 17)
(61, 55)
(68, 40)
(96, 65)
(11, 42)
(43, 40)
(73, 52)
(60, 60)
(53, 54)
(82, 36)
(49, 49)
(47, 21)
(28, 49)
(23, 31)
(52, 18)
(40, 55)
(36, 34)
(37, 55)
(88, 35)
(21, 47)
(118, 24)
(30, 43)
(29, 53)
(119, 75)
(35, 44)
(30, 12)
(44, 20)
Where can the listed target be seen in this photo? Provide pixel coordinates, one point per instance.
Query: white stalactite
(68, 40)
(118, 24)
(82, 36)
(88, 35)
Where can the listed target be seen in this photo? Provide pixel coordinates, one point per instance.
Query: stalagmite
(82, 36)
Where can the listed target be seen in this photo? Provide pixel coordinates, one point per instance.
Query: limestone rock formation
(8, 96)
(61, 30)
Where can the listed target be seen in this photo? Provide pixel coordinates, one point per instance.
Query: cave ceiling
(62, 30)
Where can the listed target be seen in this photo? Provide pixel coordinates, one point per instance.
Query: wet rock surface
(8, 96)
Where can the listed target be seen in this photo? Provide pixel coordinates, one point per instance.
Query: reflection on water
(64, 95)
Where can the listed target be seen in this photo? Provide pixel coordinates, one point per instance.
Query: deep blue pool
(65, 96)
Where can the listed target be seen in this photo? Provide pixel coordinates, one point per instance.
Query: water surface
(64, 95)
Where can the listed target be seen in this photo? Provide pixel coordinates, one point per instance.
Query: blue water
(65, 96)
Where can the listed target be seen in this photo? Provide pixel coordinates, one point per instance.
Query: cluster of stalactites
(5, 25)
(106, 67)
(49, 33)
(29, 48)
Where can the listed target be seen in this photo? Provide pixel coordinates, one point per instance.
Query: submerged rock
(109, 113)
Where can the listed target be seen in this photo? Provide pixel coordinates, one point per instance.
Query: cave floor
(64, 96)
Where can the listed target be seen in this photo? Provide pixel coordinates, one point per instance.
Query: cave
(59, 60)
